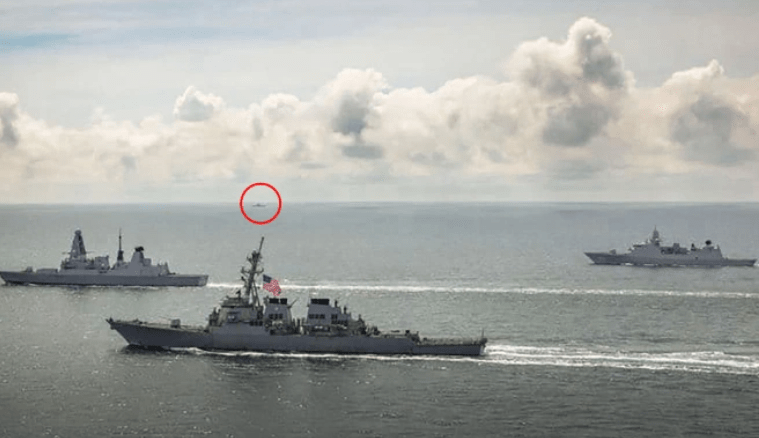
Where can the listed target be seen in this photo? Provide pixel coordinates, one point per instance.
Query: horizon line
(301, 202)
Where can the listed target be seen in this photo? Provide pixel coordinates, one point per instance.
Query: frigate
(79, 270)
(653, 253)
(246, 322)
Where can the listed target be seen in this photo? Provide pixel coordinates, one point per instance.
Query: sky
(122, 101)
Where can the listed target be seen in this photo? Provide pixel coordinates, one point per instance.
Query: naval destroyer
(244, 322)
(653, 253)
(79, 270)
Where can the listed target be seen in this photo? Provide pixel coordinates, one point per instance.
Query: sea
(574, 349)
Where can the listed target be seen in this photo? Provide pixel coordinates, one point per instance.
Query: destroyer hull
(606, 258)
(101, 279)
(150, 335)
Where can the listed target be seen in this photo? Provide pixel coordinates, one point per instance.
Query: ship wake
(715, 362)
(375, 288)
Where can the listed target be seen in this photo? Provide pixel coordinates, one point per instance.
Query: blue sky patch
(15, 42)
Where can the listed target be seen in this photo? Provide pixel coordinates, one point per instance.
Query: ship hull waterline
(161, 336)
(104, 279)
(606, 258)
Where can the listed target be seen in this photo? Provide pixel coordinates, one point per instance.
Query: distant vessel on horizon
(653, 253)
(78, 270)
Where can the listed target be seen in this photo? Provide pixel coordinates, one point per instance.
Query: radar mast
(249, 275)
(120, 255)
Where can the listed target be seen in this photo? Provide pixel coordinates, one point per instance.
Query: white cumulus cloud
(194, 106)
(567, 116)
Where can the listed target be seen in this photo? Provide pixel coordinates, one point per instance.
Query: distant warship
(78, 270)
(243, 323)
(652, 252)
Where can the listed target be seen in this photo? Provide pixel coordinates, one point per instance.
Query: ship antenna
(251, 291)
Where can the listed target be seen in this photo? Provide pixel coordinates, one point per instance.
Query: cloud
(580, 82)
(194, 106)
(367, 152)
(350, 98)
(8, 114)
(697, 78)
(561, 68)
(600, 65)
(708, 122)
(575, 124)
(706, 130)
(567, 116)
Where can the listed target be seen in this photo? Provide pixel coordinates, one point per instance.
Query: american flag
(272, 285)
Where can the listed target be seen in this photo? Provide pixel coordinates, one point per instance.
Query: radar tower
(249, 275)
(120, 255)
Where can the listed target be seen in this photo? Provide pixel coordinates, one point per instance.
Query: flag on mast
(272, 285)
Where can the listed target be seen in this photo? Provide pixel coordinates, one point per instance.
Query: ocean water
(574, 350)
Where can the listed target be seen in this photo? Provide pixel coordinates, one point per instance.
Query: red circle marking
(279, 198)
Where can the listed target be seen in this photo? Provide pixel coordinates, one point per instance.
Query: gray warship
(243, 323)
(78, 270)
(653, 253)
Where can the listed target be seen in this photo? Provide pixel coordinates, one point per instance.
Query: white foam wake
(360, 288)
(224, 285)
(560, 356)
(690, 361)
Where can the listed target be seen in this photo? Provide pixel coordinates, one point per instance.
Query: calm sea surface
(575, 350)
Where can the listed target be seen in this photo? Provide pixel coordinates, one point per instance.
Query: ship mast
(120, 255)
(249, 275)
